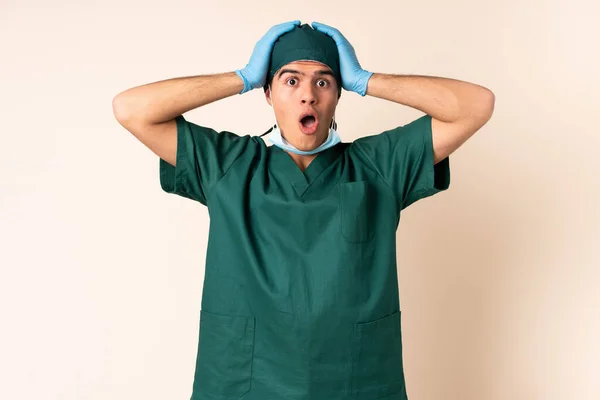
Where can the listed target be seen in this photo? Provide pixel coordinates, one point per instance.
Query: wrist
(364, 81)
(247, 85)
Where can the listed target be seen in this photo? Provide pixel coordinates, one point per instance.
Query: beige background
(102, 272)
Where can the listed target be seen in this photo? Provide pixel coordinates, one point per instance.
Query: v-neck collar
(301, 181)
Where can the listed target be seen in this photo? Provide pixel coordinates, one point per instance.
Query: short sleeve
(403, 157)
(203, 158)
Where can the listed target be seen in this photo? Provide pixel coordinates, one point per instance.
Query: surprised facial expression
(304, 96)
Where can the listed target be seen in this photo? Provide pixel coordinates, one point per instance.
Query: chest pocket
(357, 202)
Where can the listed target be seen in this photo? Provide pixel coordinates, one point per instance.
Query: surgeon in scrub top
(300, 298)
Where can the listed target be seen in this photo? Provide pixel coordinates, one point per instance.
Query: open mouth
(308, 123)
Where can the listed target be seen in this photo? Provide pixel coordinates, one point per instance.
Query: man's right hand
(254, 74)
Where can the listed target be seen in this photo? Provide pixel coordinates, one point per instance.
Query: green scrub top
(300, 296)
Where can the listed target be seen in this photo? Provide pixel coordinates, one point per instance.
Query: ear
(268, 96)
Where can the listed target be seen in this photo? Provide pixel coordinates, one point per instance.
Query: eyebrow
(293, 71)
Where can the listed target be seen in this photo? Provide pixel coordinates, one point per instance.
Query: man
(300, 297)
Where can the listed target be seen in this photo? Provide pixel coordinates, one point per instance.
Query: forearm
(448, 100)
(164, 100)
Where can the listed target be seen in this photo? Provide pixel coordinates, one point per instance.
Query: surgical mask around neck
(278, 140)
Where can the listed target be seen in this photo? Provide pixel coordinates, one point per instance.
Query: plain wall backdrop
(101, 271)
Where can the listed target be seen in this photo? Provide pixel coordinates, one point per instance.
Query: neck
(302, 161)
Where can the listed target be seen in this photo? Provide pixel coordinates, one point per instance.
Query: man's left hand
(354, 78)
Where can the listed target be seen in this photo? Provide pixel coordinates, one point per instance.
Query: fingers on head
(289, 25)
(285, 27)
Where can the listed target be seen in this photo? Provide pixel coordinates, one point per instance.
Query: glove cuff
(247, 86)
(366, 75)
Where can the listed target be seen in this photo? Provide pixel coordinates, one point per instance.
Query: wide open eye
(325, 83)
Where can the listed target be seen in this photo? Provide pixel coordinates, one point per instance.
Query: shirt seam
(210, 190)
(417, 192)
(181, 158)
(398, 202)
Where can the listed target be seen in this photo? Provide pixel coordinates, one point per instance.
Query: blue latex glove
(354, 78)
(254, 74)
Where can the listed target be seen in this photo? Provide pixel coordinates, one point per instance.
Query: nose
(308, 95)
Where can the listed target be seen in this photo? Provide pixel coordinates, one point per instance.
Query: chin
(311, 142)
(305, 142)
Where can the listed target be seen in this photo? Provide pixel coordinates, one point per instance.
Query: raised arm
(149, 111)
